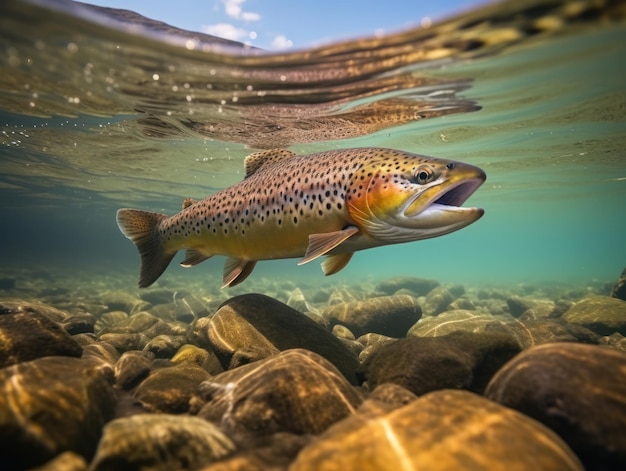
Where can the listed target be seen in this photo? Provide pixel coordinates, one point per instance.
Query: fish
(330, 204)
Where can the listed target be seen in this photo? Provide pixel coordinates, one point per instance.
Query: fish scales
(329, 204)
(275, 208)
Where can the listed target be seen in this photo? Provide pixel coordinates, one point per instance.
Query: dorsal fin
(188, 202)
(255, 161)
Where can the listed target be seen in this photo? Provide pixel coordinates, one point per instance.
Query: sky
(284, 24)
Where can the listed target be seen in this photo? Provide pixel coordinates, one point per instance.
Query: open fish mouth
(459, 193)
(448, 199)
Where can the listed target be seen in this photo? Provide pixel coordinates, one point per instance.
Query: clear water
(96, 115)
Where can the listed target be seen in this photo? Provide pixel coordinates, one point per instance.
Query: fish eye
(423, 175)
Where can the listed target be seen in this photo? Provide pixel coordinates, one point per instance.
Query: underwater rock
(438, 299)
(79, 323)
(457, 321)
(51, 405)
(66, 461)
(14, 306)
(165, 346)
(132, 368)
(146, 323)
(352, 345)
(170, 389)
(384, 399)
(166, 311)
(159, 442)
(272, 453)
(188, 307)
(109, 320)
(493, 306)
(250, 327)
(27, 333)
(462, 303)
(455, 361)
(615, 340)
(342, 296)
(619, 290)
(539, 331)
(419, 365)
(319, 320)
(370, 343)
(84, 339)
(297, 301)
(417, 286)
(320, 294)
(518, 306)
(373, 340)
(391, 394)
(124, 342)
(443, 430)
(156, 296)
(101, 353)
(296, 391)
(560, 306)
(343, 332)
(93, 306)
(546, 310)
(386, 315)
(123, 301)
(602, 314)
(197, 333)
(206, 359)
(137, 330)
(577, 390)
(492, 294)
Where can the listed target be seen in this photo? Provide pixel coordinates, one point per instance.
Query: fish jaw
(440, 219)
(439, 210)
(452, 192)
(400, 213)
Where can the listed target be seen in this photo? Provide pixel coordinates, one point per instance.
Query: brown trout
(331, 203)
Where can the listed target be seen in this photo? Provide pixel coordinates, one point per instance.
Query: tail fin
(142, 228)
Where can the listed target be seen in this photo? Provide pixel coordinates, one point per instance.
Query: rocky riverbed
(404, 373)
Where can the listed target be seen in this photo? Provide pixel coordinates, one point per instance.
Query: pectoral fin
(334, 263)
(236, 270)
(320, 244)
(192, 258)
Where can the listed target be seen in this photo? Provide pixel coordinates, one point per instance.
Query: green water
(550, 134)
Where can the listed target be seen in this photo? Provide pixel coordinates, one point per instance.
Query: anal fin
(320, 244)
(193, 257)
(335, 263)
(236, 270)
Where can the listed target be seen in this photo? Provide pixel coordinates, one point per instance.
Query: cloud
(281, 42)
(234, 10)
(226, 30)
